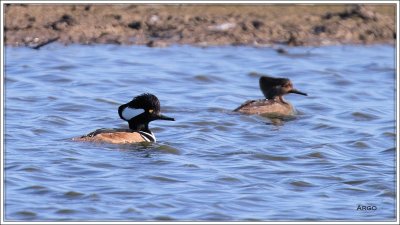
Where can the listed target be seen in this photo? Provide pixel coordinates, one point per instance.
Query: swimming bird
(274, 104)
(138, 113)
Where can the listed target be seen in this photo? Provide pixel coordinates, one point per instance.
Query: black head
(272, 87)
(141, 111)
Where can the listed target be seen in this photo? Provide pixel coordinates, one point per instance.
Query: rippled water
(210, 164)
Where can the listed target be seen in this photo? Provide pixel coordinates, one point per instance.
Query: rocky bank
(36, 25)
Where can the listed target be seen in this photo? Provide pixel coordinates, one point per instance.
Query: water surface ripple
(210, 164)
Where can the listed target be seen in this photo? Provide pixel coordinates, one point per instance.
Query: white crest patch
(129, 113)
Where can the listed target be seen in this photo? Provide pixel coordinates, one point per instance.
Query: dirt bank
(35, 25)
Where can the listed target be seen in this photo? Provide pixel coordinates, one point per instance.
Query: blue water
(210, 164)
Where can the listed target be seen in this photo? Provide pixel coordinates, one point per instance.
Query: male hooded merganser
(138, 113)
(274, 104)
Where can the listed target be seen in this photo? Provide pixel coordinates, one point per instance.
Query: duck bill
(162, 117)
(297, 92)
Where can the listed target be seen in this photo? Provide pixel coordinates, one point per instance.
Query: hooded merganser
(138, 113)
(273, 104)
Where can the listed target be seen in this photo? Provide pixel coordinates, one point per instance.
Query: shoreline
(161, 25)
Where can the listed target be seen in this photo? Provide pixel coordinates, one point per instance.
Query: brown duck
(274, 104)
(138, 113)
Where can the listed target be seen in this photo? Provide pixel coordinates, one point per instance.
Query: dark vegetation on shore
(36, 25)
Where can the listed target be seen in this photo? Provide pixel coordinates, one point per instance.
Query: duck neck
(281, 99)
(139, 127)
(144, 131)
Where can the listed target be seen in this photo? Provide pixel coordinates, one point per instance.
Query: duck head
(141, 111)
(273, 87)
